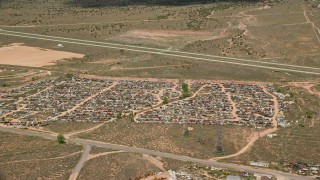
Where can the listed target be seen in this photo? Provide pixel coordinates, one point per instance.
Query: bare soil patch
(117, 166)
(21, 55)
(156, 34)
(309, 86)
(164, 38)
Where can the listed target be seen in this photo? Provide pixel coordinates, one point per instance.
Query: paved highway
(172, 53)
(87, 143)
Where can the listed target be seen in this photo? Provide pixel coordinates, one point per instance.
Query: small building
(259, 163)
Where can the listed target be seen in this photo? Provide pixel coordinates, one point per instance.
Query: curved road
(88, 143)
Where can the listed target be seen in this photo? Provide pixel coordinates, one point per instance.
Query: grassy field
(298, 143)
(169, 138)
(27, 157)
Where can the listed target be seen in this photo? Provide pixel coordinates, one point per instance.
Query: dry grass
(169, 138)
(68, 127)
(117, 166)
(27, 157)
(98, 150)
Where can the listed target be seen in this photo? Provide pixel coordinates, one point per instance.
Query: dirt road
(83, 159)
(315, 29)
(86, 130)
(88, 143)
(258, 134)
(308, 86)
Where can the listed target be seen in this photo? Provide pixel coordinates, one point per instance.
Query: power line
(219, 148)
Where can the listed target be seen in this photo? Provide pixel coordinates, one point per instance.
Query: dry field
(26, 157)
(117, 166)
(18, 54)
(98, 150)
(68, 127)
(284, 31)
(169, 138)
(12, 76)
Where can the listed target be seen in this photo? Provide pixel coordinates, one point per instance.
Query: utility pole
(219, 149)
(201, 134)
(258, 129)
(185, 131)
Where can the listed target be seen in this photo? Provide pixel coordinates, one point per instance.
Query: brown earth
(21, 55)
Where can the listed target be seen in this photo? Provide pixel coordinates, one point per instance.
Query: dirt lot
(18, 54)
(26, 157)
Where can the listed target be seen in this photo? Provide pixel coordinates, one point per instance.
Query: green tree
(69, 75)
(185, 90)
(131, 116)
(309, 113)
(61, 139)
(165, 100)
(186, 133)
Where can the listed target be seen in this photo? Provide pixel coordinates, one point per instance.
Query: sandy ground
(309, 86)
(21, 55)
(154, 161)
(164, 36)
(159, 34)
